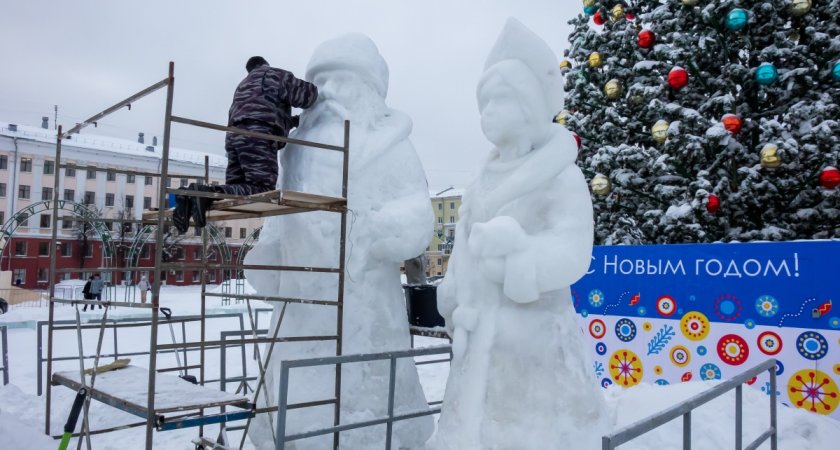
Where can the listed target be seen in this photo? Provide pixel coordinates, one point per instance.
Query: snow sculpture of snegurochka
(390, 221)
(520, 378)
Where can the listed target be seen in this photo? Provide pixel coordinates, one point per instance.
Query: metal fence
(5, 350)
(630, 432)
(283, 397)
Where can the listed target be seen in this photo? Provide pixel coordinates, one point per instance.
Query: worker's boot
(182, 213)
(200, 205)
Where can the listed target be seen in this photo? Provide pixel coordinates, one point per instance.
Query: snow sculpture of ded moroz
(390, 221)
(519, 377)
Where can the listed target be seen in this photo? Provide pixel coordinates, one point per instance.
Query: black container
(421, 302)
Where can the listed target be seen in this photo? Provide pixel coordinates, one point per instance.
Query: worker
(262, 103)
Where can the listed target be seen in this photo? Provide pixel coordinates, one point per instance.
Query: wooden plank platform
(266, 204)
(127, 389)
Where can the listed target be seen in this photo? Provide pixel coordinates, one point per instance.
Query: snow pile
(390, 221)
(17, 428)
(519, 376)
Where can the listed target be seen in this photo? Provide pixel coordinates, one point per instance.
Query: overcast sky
(85, 55)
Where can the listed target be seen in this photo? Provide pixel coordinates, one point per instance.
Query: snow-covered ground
(22, 412)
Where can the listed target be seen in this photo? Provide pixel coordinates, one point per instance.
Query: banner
(670, 313)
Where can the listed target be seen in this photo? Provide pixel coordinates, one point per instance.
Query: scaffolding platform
(127, 389)
(266, 204)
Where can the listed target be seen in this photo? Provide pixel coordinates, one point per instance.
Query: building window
(45, 220)
(148, 181)
(69, 171)
(91, 174)
(20, 248)
(243, 233)
(440, 261)
(211, 276)
(129, 179)
(66, 249)
(147, 202)
(109, 199)
(23, 191)
(2, 217)
(228, 232)
(440, 219)
(440, 247)
(127, 227)
(196, 255)
(66, 224)
(4, 162)
(90, 197)
(129, 201)
(452, 233)
(23, 221)
(195, 276)
(451, 219)
(26, 164)
(43, 249)
(110, 176)
(46, 194)
(144, 253)
(43, 276)
(180, 253)
(69, 195)
(451, 205)
(20, 276)
(89, 251)
(440, 206)
(49, 167)
(184, 182)
(179, 276)
(2, 189)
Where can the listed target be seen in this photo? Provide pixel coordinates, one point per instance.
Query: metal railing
(338, 361)
(5, 350)
(632, 431)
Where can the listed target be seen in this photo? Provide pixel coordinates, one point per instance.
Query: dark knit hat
(254, 62)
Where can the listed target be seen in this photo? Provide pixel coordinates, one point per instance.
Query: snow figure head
(520, 91)
(351, 75)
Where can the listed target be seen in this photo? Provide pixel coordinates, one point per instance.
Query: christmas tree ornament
(678, 78)
(689, 2)
(770, 157)
(629, 15)
(799, 8)
(598, 18)
(613, 89)
(636, 99)
(565, 64)
(561, 117)
(601, 185)
(646, 39)
(578, 140)
(829, 178)
(732, 123)
(713, 204)
(617, 12)
(737, 19)
(766, 74)
(588, 3)
(794, 35)
(590, 10)
(660, 131)
(596, 60)
(835, 72)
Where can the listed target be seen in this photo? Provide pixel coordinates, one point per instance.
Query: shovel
(191, 378)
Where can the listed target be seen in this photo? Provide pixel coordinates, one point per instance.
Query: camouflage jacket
(267, 95)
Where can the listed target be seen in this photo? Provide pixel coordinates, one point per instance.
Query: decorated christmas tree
(706, 121)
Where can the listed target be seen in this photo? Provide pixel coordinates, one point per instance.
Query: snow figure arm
(559, 253)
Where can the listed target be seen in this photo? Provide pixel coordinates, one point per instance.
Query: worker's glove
(295, 121)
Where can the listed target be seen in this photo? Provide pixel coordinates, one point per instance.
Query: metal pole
(5, 355)
(53, 241)
(774, 438)
(738, 418)
(392, 379)
(40, 358)
(203, 293)
(282, 400)
(83, 382)
(606, 443)
(86, 417)
(687, 431)
(164, 181)
(341, 264)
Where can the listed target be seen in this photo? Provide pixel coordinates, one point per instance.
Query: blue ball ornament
(737, 19)
(590, 10)
(766, 74)
(836, 71)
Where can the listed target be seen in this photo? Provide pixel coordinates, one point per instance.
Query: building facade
(445, 204)
(27, 180)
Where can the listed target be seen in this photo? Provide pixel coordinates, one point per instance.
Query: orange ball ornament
(732, 123)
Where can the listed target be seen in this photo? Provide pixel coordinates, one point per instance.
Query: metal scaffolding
(166, 412)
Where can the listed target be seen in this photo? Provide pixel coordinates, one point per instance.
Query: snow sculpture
(520, 378)
(391, 221)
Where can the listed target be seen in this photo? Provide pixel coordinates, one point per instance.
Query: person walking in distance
(96, 286)
(86, 292)
(262, 103)
(144, 287)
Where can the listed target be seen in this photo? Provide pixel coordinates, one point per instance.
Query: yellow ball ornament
(617, 12)
(588, 3)
(561, 117)
(596, 60)
(689, 2)
(565, 64)
(660, 131)
(799, 8)
(613, 89)
(770, 157)
(600, 185)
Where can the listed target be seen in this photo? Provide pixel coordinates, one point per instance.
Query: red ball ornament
(677, 78)
(647, 39)
(830, 178)
(713, 204)
(630, 16)
(732, 123)
(598, 18)
(578, 140)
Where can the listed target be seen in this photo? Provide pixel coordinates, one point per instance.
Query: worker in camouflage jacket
(262, 103)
